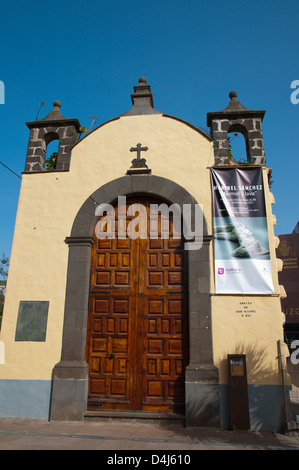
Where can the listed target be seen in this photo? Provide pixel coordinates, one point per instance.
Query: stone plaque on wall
(32, 321)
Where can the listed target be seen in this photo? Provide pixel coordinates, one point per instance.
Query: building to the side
(187, 325)
(288, 252)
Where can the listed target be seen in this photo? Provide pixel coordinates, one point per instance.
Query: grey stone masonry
(42, 132)
(236, 118)
(142, 100)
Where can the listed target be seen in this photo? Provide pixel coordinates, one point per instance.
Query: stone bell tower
(52, 127)
(236, 118)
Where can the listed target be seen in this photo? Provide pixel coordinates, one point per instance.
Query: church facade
(125, 325)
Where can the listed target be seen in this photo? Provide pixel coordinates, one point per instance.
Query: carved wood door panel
(137, 344)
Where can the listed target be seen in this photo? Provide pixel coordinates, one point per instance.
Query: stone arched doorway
(71, 374)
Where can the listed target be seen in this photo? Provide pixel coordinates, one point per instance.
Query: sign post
(238, 392)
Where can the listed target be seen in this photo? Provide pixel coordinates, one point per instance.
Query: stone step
(135, 416)
(292, 428)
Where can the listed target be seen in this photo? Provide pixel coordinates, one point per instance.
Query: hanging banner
(241, 244)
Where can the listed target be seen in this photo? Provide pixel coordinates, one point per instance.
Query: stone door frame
(70, 375)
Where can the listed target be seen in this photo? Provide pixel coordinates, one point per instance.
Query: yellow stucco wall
(47, 207)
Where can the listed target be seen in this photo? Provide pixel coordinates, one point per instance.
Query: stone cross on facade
(138, 164)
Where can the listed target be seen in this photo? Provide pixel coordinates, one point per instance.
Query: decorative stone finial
(233, 95)
(142, 100)
(57, 104)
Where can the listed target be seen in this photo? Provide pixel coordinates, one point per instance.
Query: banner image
(241, 245)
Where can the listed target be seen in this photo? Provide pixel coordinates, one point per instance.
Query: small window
(51, 155)
(237, 147)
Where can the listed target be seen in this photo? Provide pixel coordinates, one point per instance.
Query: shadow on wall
(269, 406)
(258, 368)
(268, 401)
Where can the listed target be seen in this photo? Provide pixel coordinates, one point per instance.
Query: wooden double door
(137, 342)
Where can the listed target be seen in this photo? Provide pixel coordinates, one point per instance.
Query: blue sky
(89, 55)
